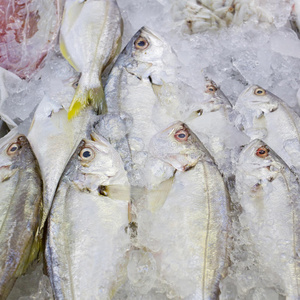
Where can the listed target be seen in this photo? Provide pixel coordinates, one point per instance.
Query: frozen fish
(269, 192)
(20, 208)
(87, 240)
(90, 37)
(265, 116)
(188, 231)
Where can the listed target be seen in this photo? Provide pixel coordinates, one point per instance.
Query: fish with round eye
(262, 152)
(181, 135)
(268, 193)
(141, 43)
(12, 149)
(211, 89)
(264, 116)
(197, 196)
(259, 91)
(89, 212)
(87, 154)
(20, 204)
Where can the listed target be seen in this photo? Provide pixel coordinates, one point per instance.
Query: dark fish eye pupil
(141, 43)
(86, 154)
(181, 135)
(13, 149)
(262, 152)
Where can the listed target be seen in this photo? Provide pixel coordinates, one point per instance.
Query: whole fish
(87, 240)
(212, 121)
(269, 195)
(188, 231)
(90, 37)
(265, 116)
(54, 139)
(28, 30)
(20, 208)
(142, 85)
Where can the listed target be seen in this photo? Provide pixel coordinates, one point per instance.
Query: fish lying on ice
(212, 122)
(265, 116)
(188, 231)
(90, 37)
(54, 139)
(87, 240)
(269, 192)
(20, 208)
(142, 86)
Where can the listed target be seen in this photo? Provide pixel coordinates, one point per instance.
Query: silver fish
(212, 122)
(265, 116)
(20, 208)
(87, 242)
(142, 85)
(269, 195)
(188, 231)
(90, 37)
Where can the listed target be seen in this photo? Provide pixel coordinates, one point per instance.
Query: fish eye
(210, 89)
(141, 43)
(181, 135)
(262, 152)
(86, 154)
(13, 148)
(259, 92)
(231, 9)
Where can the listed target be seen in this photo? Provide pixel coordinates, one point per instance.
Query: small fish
(90, 38)
(142, 85)
(188, 231)
(212, 122)
(269, 192)
(265, 116)
(20, 208)
(54, 139)
(87, 240)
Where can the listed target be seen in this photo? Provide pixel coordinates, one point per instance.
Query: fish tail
(88, 97)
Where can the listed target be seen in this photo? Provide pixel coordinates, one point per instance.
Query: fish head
(147, 55)
(256, 98)
(15, 153)
(259, 162)
(99, 168)
(212, 99)
(178, 146)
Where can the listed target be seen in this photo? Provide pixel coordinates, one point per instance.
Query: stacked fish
(106, 181)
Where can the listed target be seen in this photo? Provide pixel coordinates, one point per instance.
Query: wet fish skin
(265, 116)
(189, 231)
(20, 208)
(269, 195)
(90, 38)
(212, 121)
(86, 242)
(138, 87)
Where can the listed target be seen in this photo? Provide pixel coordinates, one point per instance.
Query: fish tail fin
(87, 97)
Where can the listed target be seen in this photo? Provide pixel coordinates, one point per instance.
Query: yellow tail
(87, 97)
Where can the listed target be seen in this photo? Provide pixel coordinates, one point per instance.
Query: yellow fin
(83, 98)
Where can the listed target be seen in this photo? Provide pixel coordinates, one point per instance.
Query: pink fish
(28, 30)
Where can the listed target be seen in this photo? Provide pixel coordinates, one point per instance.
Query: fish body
(86, 242)
(269, 192)
(142, 85)
(90, 38)
(20, 208)
(265, 116)
(188, 232)
(212, 122)
(54, 139)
